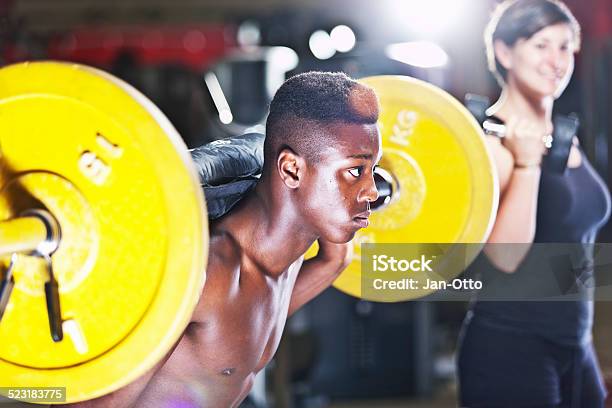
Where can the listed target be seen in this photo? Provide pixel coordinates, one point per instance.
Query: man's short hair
(306, 103)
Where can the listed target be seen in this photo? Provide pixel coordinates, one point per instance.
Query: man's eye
(540, 46)
(356, 172)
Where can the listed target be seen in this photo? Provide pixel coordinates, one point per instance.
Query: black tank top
(572, 207)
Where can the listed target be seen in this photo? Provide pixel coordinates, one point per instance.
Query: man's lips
(362, 219)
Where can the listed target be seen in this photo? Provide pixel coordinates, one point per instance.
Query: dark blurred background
(212, 67)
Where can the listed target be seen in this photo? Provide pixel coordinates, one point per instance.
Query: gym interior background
(212, 67)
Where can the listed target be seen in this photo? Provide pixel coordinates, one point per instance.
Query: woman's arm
(518, 166)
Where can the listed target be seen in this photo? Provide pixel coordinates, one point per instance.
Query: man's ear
(503, 53)
(290, 167)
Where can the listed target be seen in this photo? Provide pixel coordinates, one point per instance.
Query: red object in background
(195, 47)
(594, 16)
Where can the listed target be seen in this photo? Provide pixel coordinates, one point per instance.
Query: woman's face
(542, 65)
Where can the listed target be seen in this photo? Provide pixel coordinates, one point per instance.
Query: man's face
(337, 190)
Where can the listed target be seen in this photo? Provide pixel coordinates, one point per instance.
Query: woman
(529, 353)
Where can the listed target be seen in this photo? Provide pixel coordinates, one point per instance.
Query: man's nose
(369, 192)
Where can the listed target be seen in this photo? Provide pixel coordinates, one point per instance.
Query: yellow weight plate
(437, 156)
(130, 265)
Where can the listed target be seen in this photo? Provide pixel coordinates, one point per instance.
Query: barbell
(96, 158)
(103, 226)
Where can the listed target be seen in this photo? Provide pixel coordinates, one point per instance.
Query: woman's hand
(525, 140)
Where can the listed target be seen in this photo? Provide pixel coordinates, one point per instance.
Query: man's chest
(239, 335)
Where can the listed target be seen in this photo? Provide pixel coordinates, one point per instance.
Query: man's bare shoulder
(222, 271)
(224, 254)
(223, 246)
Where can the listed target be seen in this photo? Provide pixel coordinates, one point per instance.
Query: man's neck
(269, 230)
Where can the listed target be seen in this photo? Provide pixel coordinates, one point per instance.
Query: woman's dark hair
(516, 19)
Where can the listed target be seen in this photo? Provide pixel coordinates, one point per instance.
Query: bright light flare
(249, 34)
(321, 45)
(429, 17)
(423, 54)
(343, 38)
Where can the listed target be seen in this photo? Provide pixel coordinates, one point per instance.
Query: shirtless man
(317, 184)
